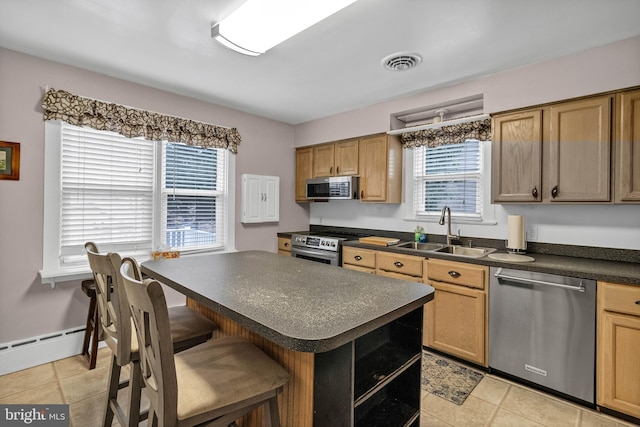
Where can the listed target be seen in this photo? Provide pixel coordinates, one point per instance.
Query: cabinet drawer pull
(554, 192)
(357, 258)
(454, 274)
(534, 192)
(398, 264)
(638, 302)
(286, 245)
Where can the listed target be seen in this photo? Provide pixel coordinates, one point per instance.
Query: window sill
(54, 276)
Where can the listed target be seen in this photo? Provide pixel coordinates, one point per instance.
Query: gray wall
(28, 308)
(602, 69)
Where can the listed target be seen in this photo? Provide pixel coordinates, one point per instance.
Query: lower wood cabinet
(284, 246)
(455, 322)
(359, 259)
(399, 266)
(618, 348)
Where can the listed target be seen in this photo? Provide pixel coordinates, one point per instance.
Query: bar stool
(92, 330)
(187, 328)
(211, 384)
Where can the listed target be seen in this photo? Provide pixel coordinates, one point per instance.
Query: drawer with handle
(459, 273)
(620, 298)
(399, 263)
(284, 244)
(359, 257)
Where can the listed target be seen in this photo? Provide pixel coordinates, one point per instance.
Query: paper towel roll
(516, 238)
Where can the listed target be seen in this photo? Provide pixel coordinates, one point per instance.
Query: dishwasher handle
(499, 275)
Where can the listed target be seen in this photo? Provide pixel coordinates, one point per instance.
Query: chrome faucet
(450, 236)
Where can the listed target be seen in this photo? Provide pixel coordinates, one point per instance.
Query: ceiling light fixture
(258, 25)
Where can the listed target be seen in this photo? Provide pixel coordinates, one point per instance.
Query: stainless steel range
(326, 249)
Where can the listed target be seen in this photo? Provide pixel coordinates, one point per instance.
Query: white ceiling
(332, 67)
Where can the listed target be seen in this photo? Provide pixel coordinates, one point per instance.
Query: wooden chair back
(112, 302)
(149, 311)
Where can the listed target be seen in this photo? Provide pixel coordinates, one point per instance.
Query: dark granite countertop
(586, 268)
(298, 304)
(604, 264)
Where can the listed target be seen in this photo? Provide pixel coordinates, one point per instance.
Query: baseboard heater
(30, 352)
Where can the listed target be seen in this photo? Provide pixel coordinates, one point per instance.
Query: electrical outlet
(532, 233)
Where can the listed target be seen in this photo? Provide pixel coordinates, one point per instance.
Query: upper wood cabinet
(304, 171)
(380, 169)
(516, 171)
(553, 154)
(627, 147)
(336, 159)
(376, 159)
(577, 151)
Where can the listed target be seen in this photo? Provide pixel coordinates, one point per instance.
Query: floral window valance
(133, 123)
(452, 134)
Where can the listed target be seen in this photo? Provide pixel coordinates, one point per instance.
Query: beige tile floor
(494, 402)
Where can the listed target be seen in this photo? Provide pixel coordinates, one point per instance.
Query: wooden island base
(296, 400)
(372, 380)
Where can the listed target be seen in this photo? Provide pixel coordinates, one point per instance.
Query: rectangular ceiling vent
(441, 112)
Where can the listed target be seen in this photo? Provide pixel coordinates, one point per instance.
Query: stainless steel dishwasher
(542, 329)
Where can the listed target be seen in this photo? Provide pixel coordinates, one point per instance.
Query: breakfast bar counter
(351, 341)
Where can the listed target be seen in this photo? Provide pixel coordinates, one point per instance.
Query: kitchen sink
(461, 251)
(465, 251)
(420, 246)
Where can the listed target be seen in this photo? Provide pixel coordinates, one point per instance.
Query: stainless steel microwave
(333, 187)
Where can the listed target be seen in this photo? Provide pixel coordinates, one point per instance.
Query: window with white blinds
(133, 196)
(106, 193)
(449, 175)
(193, 197)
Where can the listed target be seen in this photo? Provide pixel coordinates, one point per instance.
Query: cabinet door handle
(534, 192)
(331, 170)
(337, 170)
(286, 245)
(398, 264)
(638, 302)
(554, 192)
(357, 258)
(362, 194)
(454, 274)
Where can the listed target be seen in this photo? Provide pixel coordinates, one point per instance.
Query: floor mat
(448, 379)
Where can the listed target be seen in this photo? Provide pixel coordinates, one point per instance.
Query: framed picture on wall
(9, 160)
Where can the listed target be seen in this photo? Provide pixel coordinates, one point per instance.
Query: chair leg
(95, 339)
(112, 392)
(271, 413)
(135, 393)
(89, 327)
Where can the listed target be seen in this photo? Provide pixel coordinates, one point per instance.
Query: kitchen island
(352, 342)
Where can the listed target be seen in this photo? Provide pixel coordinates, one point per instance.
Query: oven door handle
(317, 253)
